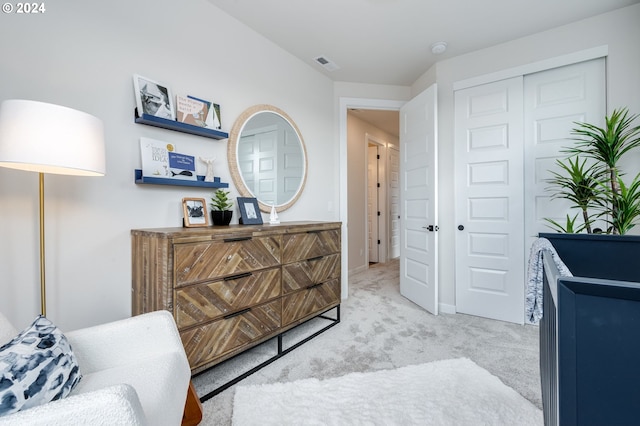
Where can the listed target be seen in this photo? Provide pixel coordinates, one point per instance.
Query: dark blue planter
(613, 257)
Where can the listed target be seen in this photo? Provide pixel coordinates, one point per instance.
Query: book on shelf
(182, 166)
(160, 160)
(155, 157)
(198, 112)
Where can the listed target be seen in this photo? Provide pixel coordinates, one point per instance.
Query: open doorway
(373, 186)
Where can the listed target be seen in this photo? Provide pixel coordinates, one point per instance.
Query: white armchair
(134, 372)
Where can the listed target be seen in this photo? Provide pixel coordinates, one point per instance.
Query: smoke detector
(326, 63)
(438, 47)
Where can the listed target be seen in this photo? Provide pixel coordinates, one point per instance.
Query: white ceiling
(389, 41)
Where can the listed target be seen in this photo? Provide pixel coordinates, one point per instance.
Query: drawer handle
(314, 258)
(237, 277)
(314, 286)
(235, 314)
(231, 240)
(314, 232)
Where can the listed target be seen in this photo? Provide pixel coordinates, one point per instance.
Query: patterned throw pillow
(36, 367)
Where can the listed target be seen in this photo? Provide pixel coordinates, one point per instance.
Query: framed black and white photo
(153, 98)
(249, 211)
(195, 212)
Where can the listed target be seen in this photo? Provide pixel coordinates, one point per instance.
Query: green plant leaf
(607, 145)
(569, 228)
(220, 200)
(627, 206)
(580, 186)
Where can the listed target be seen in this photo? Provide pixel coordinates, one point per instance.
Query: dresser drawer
(203, 302)
(204, 261)
(302, 274)
(310, 244)
(208, 342)
(301, 304)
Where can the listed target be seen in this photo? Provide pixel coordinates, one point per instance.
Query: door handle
(431, 228)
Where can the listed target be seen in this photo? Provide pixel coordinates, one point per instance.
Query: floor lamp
(47, 138)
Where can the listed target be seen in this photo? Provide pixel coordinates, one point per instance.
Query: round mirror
(267, 157)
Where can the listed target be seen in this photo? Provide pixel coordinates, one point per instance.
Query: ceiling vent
(326, 63)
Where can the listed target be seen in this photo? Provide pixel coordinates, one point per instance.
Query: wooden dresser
(230, 288)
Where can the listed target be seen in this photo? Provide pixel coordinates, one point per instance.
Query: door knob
(460, 227)
(431, 228)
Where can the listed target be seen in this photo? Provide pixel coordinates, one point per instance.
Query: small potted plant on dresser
(221, 212)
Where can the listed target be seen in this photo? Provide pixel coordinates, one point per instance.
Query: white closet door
(489, 201)
(508, 135)
(554, 101)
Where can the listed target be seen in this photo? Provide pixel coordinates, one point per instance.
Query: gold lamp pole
(43, 285)
(47, 138)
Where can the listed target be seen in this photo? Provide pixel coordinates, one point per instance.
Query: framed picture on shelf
(195, 212)
(249, 211)
(198, 112)
(213, 118)
(153, 98)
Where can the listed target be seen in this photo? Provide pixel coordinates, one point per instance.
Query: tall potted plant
(599, 187)
(221, 212)
(592, 180)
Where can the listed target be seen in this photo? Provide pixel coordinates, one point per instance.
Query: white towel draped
(533, 301)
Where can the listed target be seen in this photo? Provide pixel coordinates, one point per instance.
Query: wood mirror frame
(232, 155)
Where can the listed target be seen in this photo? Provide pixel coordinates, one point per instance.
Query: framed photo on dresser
(195, 212)
(249, 211)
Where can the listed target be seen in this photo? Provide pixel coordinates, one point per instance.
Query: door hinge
(378, 156)
(378, 213)
(378, 184)
(378, 241)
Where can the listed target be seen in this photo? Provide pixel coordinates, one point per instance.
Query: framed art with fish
(195, 212)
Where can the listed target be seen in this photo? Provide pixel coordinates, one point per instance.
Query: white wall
(82, 54)
(619, 30)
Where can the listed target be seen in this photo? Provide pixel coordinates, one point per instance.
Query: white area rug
(449, 392)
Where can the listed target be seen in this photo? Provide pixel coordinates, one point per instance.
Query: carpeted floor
(381, 330)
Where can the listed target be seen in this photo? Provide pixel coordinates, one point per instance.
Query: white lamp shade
(47, 138)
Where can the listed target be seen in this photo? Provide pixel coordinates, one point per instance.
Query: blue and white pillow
(36, 367)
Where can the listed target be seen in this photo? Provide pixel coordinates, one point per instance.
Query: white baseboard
(447, 309)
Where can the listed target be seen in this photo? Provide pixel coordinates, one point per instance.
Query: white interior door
(372, 203)
(394, 202)
(553, 101)
(489, 201)
(418, 198)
